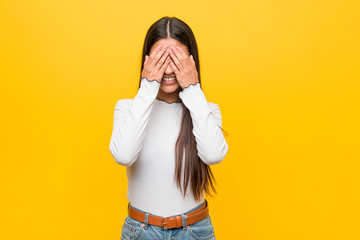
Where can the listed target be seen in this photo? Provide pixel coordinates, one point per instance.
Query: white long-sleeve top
(145, 130)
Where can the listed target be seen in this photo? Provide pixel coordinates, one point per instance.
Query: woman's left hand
(184, 67)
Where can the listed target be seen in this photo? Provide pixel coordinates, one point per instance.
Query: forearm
(131, 117)
(211, 144)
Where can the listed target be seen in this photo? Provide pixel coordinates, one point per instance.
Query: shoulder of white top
(213, 105)
(124, 102)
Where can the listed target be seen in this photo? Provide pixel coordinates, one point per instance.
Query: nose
(168, 70)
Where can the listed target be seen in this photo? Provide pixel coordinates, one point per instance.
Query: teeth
(168, 79)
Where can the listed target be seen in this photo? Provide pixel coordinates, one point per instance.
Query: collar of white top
(163, 102)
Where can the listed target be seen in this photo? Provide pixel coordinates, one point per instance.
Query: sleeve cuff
(149, 88)
(194, 98)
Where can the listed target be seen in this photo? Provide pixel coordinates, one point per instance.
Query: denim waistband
(193, 209)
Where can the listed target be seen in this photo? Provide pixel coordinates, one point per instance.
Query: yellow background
(284, 73)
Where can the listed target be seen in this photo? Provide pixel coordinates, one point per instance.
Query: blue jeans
(133, 229)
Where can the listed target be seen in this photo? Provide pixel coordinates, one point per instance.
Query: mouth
(168, 80)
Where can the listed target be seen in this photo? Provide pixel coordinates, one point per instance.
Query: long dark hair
(195, 170)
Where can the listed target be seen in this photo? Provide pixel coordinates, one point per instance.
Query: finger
(174, 68)
(162, 60)
(182, 53)
(193, 61)
(175, 59)
(184, 57)
(192, 58)
(164, 66)
(156, 51)
(159, 55)
(178, 56)
(153, 59)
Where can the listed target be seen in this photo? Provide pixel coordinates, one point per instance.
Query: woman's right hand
(156, 63)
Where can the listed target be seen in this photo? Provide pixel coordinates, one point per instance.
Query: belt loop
(184, 217)
(146, 220)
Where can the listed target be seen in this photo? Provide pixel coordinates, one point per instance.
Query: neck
(169, 97)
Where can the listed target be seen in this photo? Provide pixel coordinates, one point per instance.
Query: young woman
(167, 136)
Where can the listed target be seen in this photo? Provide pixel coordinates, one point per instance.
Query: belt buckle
(164, 223)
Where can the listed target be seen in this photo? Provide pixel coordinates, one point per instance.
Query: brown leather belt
(173, 221)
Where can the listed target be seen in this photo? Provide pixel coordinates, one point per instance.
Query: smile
(168, 80)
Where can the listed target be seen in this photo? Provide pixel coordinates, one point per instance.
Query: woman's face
(169, 88)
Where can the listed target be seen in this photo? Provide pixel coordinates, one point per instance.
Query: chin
(169, 89)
